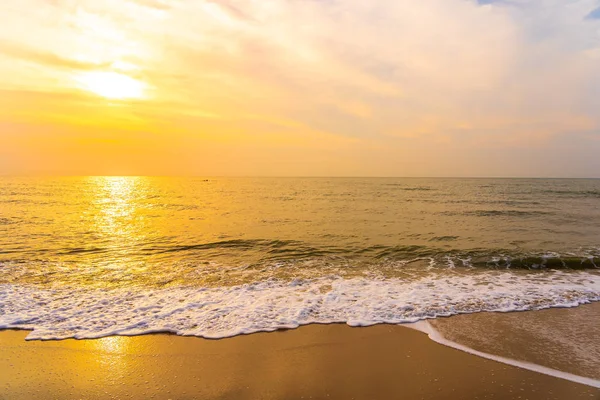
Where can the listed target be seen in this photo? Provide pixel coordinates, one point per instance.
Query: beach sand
(312, 362)
(564, 339)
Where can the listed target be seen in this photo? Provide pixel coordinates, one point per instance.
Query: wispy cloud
(390, 74)
(46, 59)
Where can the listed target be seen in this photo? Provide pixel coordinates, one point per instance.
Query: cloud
(452, 63)
(13, 50)
(411, 77)
(157, 4)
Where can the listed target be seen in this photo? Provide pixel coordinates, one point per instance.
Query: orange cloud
(331, 86)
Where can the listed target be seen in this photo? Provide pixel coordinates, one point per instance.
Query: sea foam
(71, 312)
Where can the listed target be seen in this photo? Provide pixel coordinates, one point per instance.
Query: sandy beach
(563, 339)
(299, 199)
(312, 362)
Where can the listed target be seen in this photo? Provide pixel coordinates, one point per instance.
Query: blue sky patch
(594, 14)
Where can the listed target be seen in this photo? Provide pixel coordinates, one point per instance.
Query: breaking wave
(218, 312)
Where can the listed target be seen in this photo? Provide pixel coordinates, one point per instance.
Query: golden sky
(300, 87)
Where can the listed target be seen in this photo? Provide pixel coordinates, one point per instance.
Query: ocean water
(216, 257)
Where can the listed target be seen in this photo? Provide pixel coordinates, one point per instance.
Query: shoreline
(430, 327)
(319, 360)
(437, 337)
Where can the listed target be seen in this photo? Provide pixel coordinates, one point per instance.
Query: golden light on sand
(111, 344)
(112, 85)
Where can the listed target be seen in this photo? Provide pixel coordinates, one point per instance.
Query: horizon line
(288, 176)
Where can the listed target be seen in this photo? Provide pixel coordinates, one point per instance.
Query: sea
(88, 257)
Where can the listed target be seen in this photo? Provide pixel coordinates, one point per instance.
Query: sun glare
(112, 85)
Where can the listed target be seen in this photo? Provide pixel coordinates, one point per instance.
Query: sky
(300, 87)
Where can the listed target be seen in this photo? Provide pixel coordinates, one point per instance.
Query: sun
(112, 85)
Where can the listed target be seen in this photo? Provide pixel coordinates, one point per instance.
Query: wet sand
(312, 362)
(565, 339)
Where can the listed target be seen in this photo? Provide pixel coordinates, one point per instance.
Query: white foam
(220, 312)
(436, 336)
(76, 312)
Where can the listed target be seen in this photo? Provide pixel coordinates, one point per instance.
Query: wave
(401, 186)
(443, 238)
(290, 251)
(9, 221)
(541, 262)
(235, 262)
(574, 193)
(497, 213)
(74, 312)
(225, 244)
